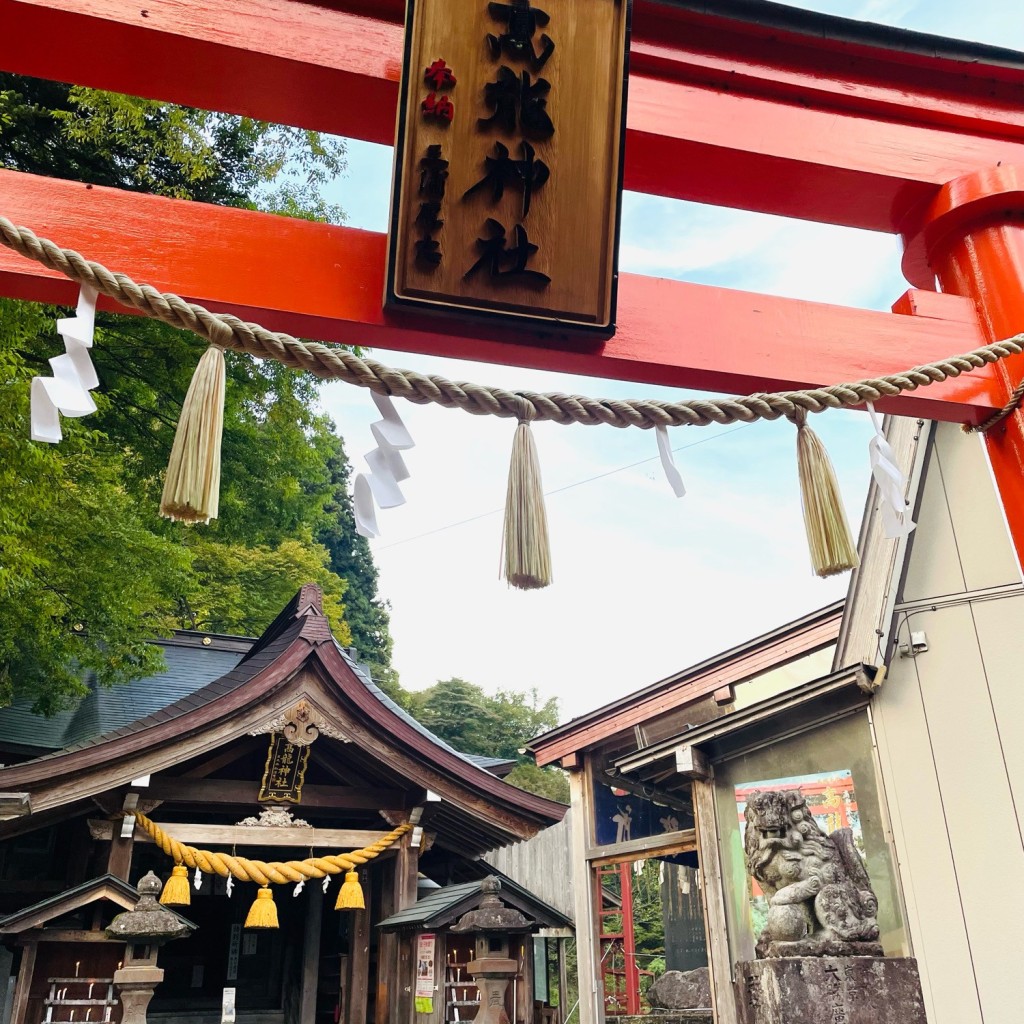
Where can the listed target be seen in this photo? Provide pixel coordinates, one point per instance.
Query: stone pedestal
(492, 975)
(830, 990)
(135, 987)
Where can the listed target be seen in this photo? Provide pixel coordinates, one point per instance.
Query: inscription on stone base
(830, 990)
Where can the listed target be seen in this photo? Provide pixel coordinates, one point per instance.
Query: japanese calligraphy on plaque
(284, 773)
(508, 163)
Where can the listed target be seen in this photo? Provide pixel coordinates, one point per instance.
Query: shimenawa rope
(227, 331)
(263, 872)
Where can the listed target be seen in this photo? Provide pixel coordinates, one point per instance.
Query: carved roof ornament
(275, 817)
(301, 725)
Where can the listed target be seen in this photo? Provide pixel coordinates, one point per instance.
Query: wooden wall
(542, 865)
(950, 732)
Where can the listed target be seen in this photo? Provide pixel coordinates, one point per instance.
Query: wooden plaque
(508, 163)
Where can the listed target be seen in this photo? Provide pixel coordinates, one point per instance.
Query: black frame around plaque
(545, 328)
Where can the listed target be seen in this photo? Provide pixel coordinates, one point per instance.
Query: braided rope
(333, 363)
(262, 872)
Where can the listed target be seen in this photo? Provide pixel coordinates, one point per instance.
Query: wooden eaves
(771, 650)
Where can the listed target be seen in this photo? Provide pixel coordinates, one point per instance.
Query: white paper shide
(379, 488)
(891, 481)
(67, 391)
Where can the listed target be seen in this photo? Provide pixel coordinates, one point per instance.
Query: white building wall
(949, 725)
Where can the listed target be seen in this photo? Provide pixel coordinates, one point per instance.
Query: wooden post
(311, 954)
(719, 960)
(119, 859)
(24, 984)
(398, 891)
(591, 1009)
(563, 983)
(359, 961)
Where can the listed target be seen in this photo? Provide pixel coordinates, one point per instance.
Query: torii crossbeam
(755, 106)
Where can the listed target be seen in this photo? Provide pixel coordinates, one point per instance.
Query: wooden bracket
(692, 763)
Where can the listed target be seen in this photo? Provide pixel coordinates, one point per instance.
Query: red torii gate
(754, 106)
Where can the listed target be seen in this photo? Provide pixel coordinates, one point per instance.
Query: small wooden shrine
(274, 771)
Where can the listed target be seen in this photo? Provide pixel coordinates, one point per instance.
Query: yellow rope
(262, 872)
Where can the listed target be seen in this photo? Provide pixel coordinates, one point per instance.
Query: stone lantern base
(135, 986)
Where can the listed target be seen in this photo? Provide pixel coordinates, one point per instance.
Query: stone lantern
(144, 930)
(491, 967)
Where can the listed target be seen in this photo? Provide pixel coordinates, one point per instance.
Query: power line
(567, 487)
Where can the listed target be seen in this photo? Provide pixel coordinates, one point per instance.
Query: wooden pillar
(24, 984)
(359, 960)
(563, 983)
(971, 237)
(394, 960)
(591, 1008)
(723, 993)
(119, 859)
(311, 954)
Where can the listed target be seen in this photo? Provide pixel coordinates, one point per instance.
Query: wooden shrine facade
(209, 770)
(751, 105)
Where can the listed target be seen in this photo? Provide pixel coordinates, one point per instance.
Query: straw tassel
(828, 532)
(526, 553)
(350, 895)
(176, 892)
(192, 486)
(263, 912)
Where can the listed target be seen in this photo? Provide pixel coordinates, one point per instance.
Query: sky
(645, 583)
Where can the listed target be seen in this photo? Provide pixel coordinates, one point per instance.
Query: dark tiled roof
(300, 636)
(196, 673)
(190, 667)
(439, 906)
(487, 763)
(63, 899)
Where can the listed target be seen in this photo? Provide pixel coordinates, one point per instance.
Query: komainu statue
(820, 900)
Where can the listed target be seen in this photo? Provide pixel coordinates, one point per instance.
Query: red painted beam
(717, 113)
(319, 281)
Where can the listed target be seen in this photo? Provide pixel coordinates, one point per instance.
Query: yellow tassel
(176, 891)
(828, 532)
(350, 895)
(526, 553)
(192, 485)
(263, 912)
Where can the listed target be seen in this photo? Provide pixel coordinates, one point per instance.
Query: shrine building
(201, 750)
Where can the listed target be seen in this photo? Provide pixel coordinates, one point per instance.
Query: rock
(681, 990)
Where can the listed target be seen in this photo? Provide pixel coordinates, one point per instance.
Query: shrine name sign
(508, 164)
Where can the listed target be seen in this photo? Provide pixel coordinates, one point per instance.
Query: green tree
(549, 782)
(104, 138)
(84, 579)
(80, 542)
(462, 714)
(459, 712)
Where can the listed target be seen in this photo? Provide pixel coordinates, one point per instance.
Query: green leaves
(147, 146)
(84, 580)
(88, 572)
(463, 715)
